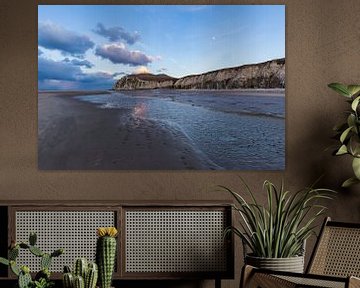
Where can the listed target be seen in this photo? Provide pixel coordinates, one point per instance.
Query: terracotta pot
(291, 264)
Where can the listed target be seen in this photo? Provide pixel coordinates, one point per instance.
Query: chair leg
(246, 274)
(251, 279)
(217, 282)
(354, 282)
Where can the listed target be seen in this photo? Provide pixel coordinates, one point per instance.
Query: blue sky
(90, 46)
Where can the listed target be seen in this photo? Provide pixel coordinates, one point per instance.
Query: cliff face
(270, 74)
(144, 81)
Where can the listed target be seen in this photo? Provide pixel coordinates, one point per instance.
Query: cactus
(44, 273)
(45, 261)
(32, 238)
(57, 252)
(14, 268)
(90, 272)
(80, 268)
(36, 251)
(24, 277)
(67, 269)
(79, 282)
(24, 245)
(91, 276)
(68, 280)
(42, 278)
(4, 261)
(13, 253)
(105, 254)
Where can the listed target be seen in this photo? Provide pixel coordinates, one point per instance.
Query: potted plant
(348, 132)
(84, 274)
(276, 233)
(42, 278)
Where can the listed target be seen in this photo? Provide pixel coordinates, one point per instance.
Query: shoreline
(259, 92)
(72, 92)
(74, 135)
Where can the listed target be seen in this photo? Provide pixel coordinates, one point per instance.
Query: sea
(235, 130)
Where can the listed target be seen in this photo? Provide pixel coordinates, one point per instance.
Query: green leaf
(345, 134)
(356, 167)
(4, 261)
(351, 120)
(353, 89)
(340, 88)
(354, 145)
(14, 268)
(355, 103)
(349, 182)
(342, 150)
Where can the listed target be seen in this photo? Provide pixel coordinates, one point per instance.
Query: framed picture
(161, 87)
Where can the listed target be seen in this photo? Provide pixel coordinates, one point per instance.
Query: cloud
(57, 70)
(40, 52)
(61, 75)
(55, 37)
(162, 70)
(141, 70)
(117, 74)
(116, 34)
(78, 62)
(119, 54)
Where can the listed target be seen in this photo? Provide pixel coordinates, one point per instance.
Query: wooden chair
(334, 263)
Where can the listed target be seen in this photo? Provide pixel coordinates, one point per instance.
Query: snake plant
(348, 132)
(279, 228)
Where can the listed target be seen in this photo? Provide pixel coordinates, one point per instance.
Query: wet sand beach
(80, 136)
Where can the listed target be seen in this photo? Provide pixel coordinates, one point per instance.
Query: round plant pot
(291, 264)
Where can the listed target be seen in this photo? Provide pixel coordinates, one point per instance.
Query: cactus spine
(106, 254)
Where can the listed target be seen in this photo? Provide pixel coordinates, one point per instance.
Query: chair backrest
(337, 251)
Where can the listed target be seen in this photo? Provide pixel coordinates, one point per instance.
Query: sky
(90, 46)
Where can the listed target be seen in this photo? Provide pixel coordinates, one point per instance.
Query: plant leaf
(355, 103)
(340, 88)
(345, 134)
(351, 120)
(279, 228)
(342, 150)
(349, 182)
(353, 89)
(4, 261)
(356, 167)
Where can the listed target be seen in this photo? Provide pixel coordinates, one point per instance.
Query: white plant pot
(291, 264)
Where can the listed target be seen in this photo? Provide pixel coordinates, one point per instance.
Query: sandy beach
(80, 136)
